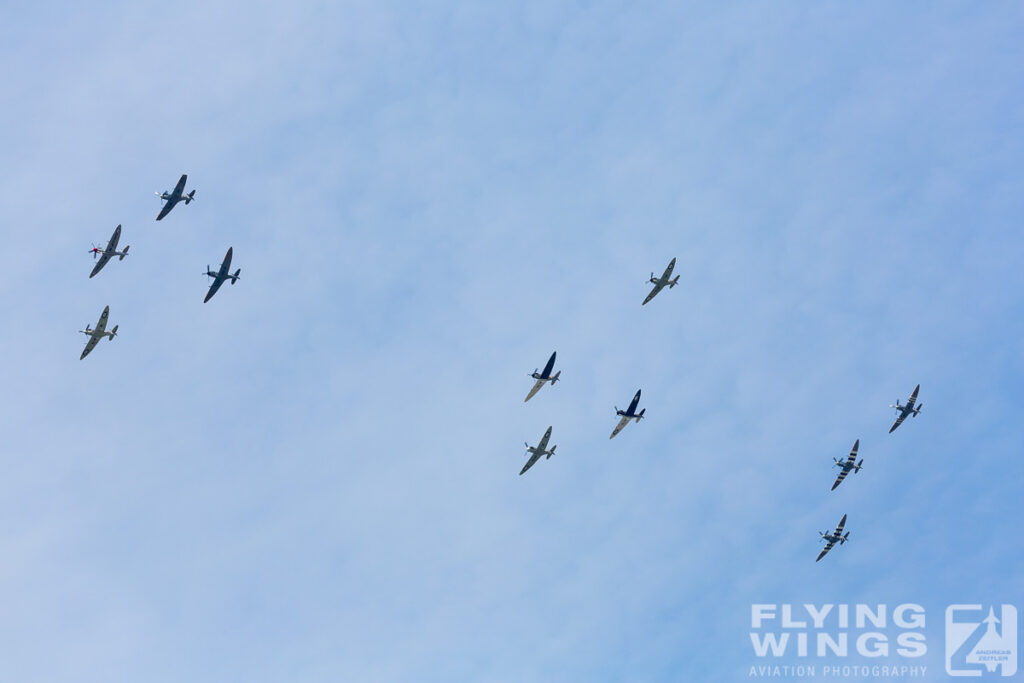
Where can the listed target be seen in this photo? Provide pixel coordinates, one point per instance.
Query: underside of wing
(898, 422)
(533, 458)
(542, 446)
(114, 239)
(839, 479)
(90, 345)
(654, 293)
(839, 527)
(180, 187)
(913, 397)
(622, 423)
(534, 390)
(168, 205)
(824, 551)
(217, 282)
(102, 261)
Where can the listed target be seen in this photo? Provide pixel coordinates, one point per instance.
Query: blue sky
(313, 477)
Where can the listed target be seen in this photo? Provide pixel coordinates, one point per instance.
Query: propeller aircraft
(628, 414)
(98, 333)
(659, 283)
(845, 466)
(174, 196)
(906, 410)
(543, 377)
(536, 453)
(833, 538)
(111, 250)
(221, 275)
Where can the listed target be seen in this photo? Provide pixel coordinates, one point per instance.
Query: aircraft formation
(545, 376)
(851, 464)
(103, 255)
(542, 377)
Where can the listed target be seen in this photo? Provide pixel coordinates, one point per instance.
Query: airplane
(535, 453)
(628, 414)
(175, 196)
(96, 334)
(833, 538)
(221, 275)
(659, 283)
(846, 465)
(908, 409)
(111, 250)
(543, 377)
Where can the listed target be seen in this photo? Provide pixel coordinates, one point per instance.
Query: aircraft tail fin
(551, 452)
(918, 409)
(640, 415)
(554, 378)
(673, 283)
(124, 252)
(234, 277)
(189, 197)
(113, 332)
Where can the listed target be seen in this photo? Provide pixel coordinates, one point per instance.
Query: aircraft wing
(100, 262)
(168, 205)
(898, 422)
(217, 282)
(533, 458)
(101, 325)
(542, 446)
(90, 345)
(839, 527)
(179, 188)
(654, 292)
(668, 270)
(913, 398)
(619, 427)
(824, 551)
(536, 388)
(114, 239)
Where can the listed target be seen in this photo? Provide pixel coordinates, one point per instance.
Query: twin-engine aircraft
(111, 250)
(174, 196)
(536, 453)
(628, 414)
(221, 275)
(543, 377)
(845, 466)
(906, 410)
(659, 283)
(96, 334)
(833, 538)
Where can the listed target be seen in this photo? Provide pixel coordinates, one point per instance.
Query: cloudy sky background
(313, 477)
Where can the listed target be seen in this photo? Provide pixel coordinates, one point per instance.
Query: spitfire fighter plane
(659, 283)
(845, 466)
(111, 250)
(543, 377)
(536, 453)
(96, 334)
(221, 275)
(833, 538)
(174, 196)
(908, 409)
(628, 414)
